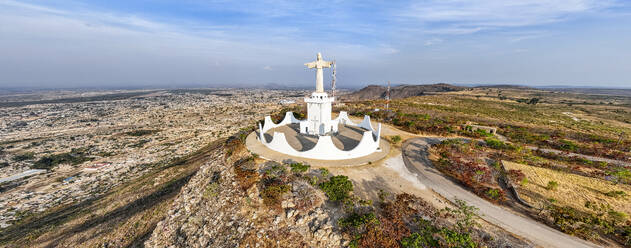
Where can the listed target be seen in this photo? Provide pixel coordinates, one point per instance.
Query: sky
(218, 43)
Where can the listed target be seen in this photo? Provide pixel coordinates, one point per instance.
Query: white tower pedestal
(318, 115)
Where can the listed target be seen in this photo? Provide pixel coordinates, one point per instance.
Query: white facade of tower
(318, 104)
(318, 115)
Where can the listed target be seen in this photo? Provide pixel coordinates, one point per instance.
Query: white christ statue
(319, 64)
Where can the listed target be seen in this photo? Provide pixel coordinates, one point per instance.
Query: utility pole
(388, 97)
(333, 81)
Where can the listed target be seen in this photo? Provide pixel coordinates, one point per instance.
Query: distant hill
(401, 91)
(594, 91)
(506, 86)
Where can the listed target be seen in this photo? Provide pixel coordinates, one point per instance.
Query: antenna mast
(333, 81)
(388, 97)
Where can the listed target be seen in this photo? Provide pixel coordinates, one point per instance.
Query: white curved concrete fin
(279, 143)
(367, 145)
(261, 134)
(378, 134)
(324, 148)
(342, 118)
(366, 123)
(290, 118)
(269, 124)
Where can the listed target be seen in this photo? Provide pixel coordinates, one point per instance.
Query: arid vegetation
(579, 205)
(586, 128)
(571, 136)
(470, 165)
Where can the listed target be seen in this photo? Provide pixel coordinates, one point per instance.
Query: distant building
(286, 102)
(96, 166)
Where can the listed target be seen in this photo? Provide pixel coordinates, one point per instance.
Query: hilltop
(401, 91)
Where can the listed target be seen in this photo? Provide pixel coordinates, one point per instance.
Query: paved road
(21, 175)
(415, 157)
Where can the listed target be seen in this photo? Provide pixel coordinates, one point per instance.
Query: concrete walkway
(415, 156)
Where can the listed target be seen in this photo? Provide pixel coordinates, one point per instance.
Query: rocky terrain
(213, 211)
(87, 143)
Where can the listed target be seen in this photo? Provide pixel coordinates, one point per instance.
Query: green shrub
(357, 220)
(395, 139)
(465, 214)
(617, 217)
(141, 132)
(431, 236)
(552, 185)
(568, 145)
(621, 175)
(324, 172)
(483, 133)
(24, 156)
(494, 194)
(421, 239)
(524, 182)
(337, 188)
(299, 167)
(76, 156)
(616, 193)
(498, 144)
(276, 170)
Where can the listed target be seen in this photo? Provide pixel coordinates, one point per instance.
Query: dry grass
(573, 190)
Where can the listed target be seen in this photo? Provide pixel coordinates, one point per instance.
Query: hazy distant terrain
(598, 91)
(399, 91)
(168, 167)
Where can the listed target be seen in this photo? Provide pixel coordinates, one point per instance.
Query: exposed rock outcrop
(212, 210)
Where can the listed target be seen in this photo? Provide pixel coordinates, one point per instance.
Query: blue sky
(164, 43)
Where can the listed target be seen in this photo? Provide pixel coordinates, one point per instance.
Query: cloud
(433, 41)
(62, 42)
(463, 17)
(66, 46)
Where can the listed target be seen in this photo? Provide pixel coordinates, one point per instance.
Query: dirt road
(415, 157)
(593, 158)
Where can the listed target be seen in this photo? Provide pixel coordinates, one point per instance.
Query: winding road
(415, 156)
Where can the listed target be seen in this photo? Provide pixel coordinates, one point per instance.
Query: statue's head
(319, 56)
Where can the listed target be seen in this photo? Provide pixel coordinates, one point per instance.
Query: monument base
(255, 146)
